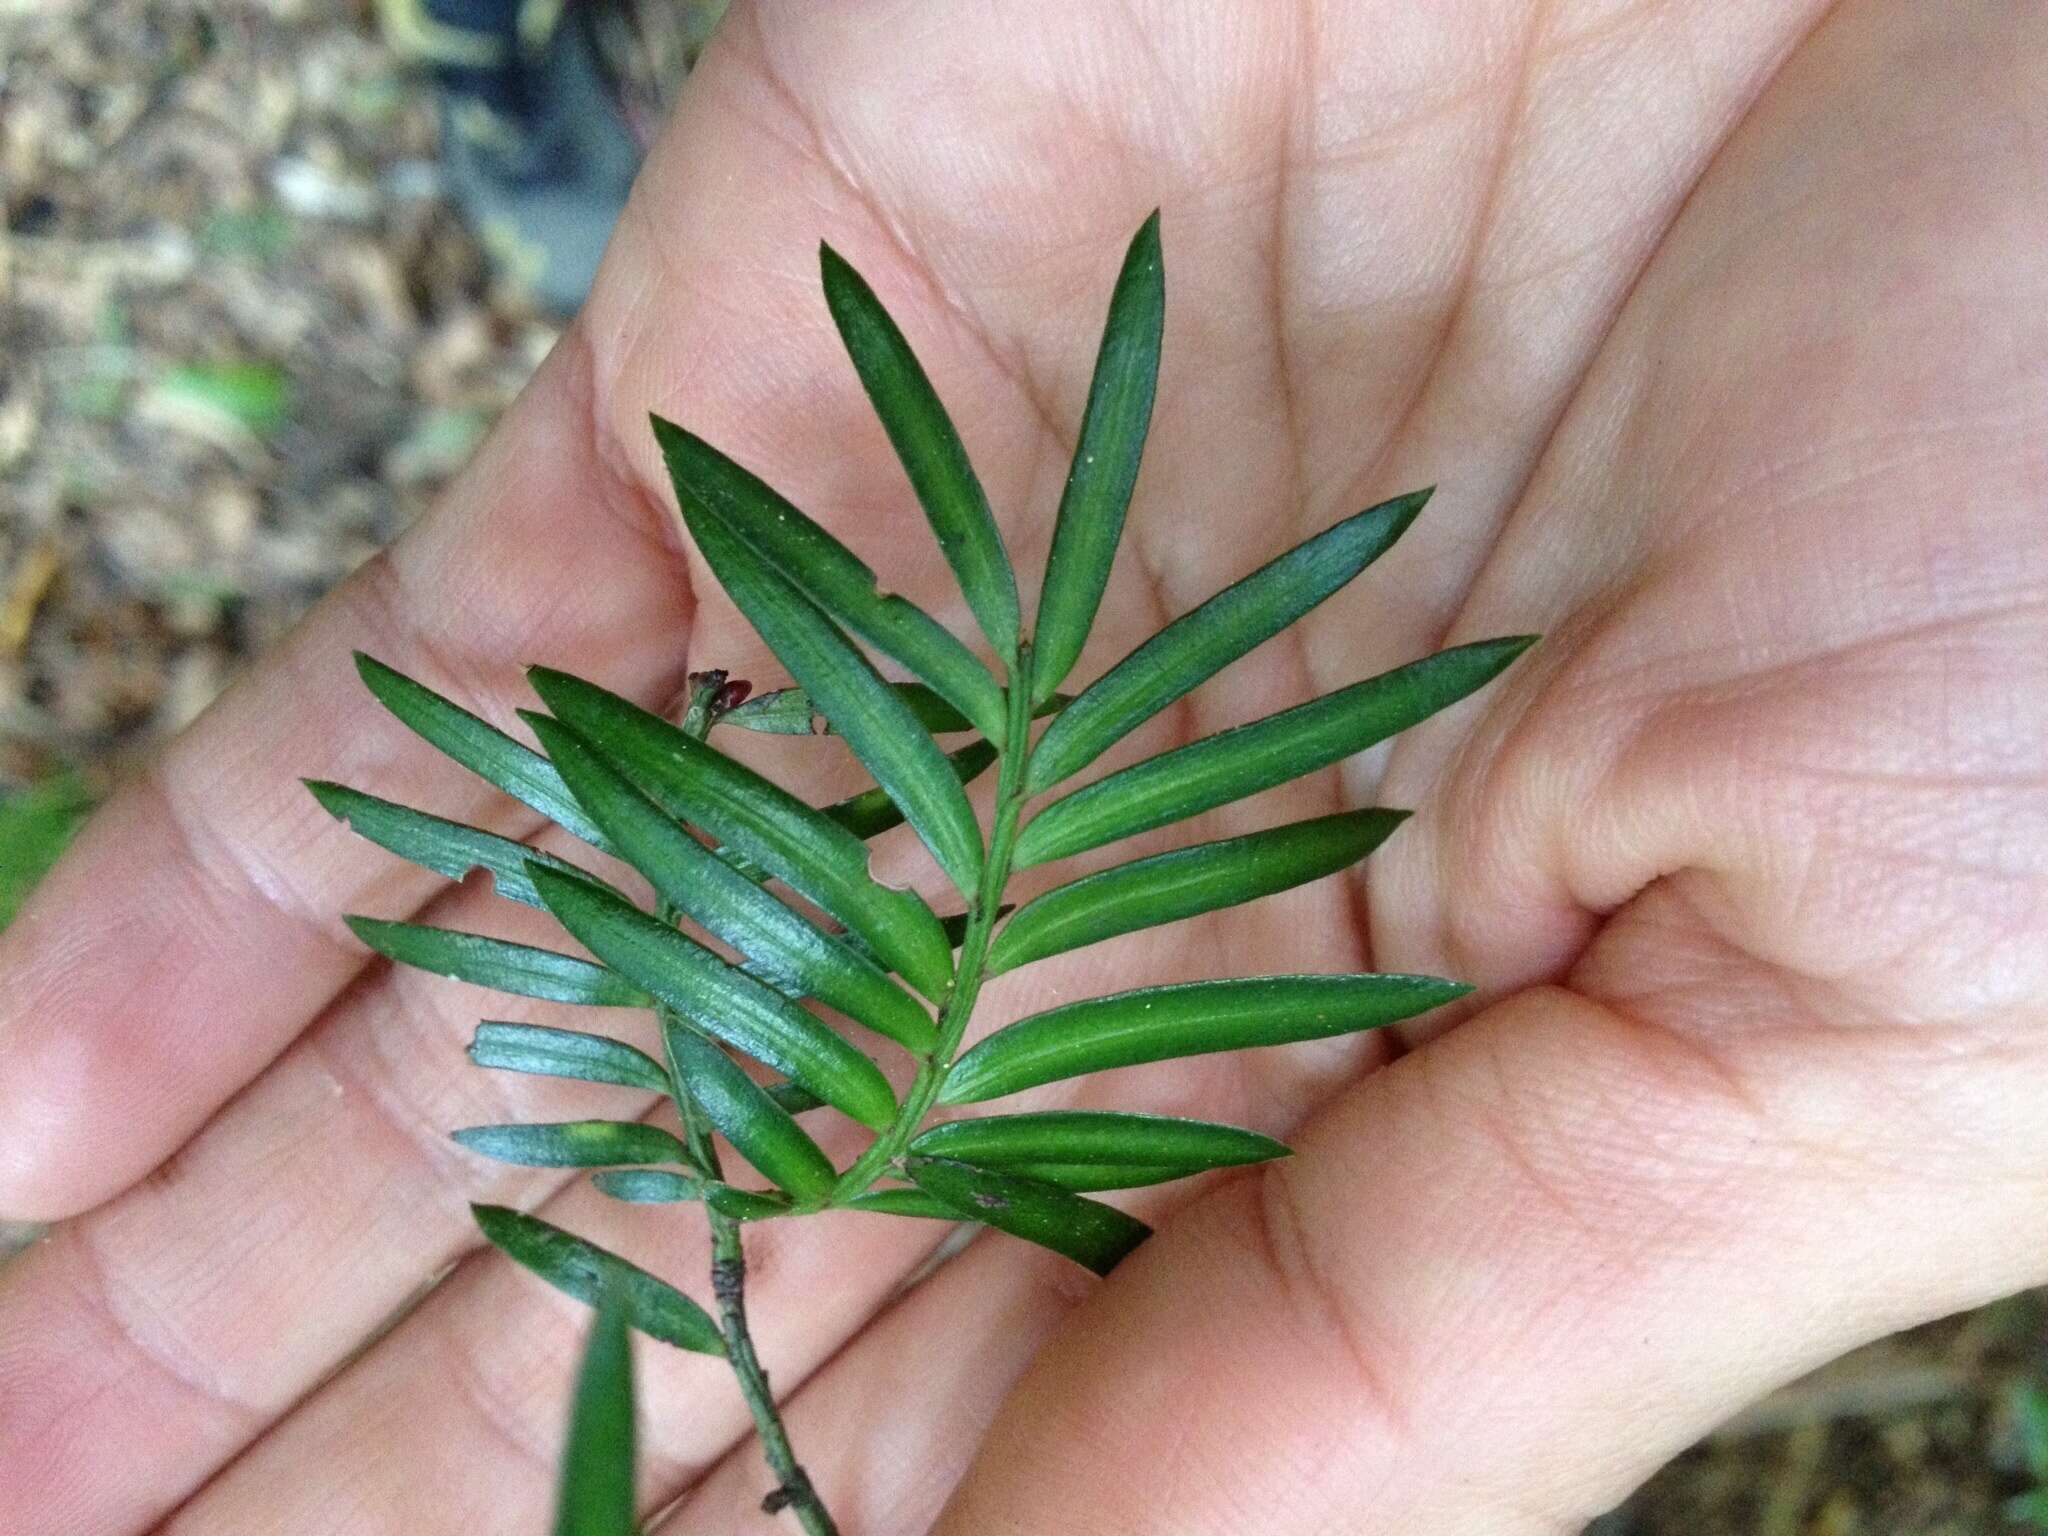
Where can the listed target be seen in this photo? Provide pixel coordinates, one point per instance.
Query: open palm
(1723, 329)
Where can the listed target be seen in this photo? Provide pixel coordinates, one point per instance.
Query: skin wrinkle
(1624, 941)
(155, 1350)
(203, 853)
(824, 156)
(1282, 1232)
(1512, 117)
(623, 488)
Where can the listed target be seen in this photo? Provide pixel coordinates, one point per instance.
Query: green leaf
(1080, 1138)
(574, 1144)
(779, 712)
(902, 1202)
(746, 1204)
(1085, 1231)
(656, 1186)
(2029, 1509)
(930, 449)
(793, 1097)
(1200, 644)
(758, 820)
(506, 967)
(1146, 893)
(830, 575)
(1105, 467)
(790, 712)
(544, 1052)
(446, 847)
(597, 1496)
(479, 746)
(648, 1186)
(884, 735)
(787, 951)
(760, 1129)
(584, 1270)
(1190, 1019)
(1236, 763)
(1084, 1178)
(871, 812)
(727, 1002)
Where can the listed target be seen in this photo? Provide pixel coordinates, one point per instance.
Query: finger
(1507, 1277)
(1806, 675)
(144, 1343)
(194, 929)
(885, 1430)
(487, 1357)
(488, 1361)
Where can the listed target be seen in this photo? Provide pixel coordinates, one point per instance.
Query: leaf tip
(1399, 512)
(333, 797)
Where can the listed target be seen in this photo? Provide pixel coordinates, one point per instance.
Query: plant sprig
(810, 936)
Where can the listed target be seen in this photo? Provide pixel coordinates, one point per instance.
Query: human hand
(1721, 328)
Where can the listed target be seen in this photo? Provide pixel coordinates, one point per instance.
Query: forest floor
(244, 340)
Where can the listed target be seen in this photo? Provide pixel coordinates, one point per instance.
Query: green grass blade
(1200, 644)
(761, 1130)
(832, 576)
(1236, 763)
(1188, 882)
(1080, 1138)
(787, 951)
(930, 449)
(1190, 1019)
(574, 1144)
(543, 1052)
(597, 1495)
(36, 826)
(518, 969)
(1105, 467)
(1085, 1231)
(884, 735)
(448, 848)
(723, 1000)
(583, 1270)
(760, 822)
(479, 746)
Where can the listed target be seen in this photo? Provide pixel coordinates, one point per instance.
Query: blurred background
(263, 287)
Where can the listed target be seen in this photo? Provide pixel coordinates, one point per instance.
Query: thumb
(1509, 1276)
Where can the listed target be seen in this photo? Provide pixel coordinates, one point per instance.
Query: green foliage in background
(2030, 1418)
(36, 825)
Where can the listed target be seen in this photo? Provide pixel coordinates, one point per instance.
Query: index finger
(195, 928)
